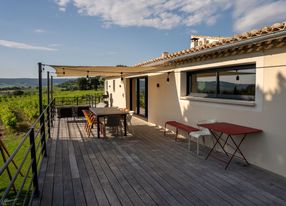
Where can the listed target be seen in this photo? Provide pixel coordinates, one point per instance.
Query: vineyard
(19, 112)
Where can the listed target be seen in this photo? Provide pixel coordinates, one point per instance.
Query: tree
(82, 83)
(96, 82)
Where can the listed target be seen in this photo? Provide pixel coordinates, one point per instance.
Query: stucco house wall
(168, 102)
(117, 92)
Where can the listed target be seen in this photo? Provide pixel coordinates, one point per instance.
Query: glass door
(139, 95)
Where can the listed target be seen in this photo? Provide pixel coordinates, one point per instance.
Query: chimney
(164, 54)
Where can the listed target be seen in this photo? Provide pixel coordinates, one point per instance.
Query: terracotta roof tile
(238, 37)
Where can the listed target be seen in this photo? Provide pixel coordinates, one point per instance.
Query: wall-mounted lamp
(87, 75)
(237, 76)
(121, 77)
(168, 77)
(119, 85)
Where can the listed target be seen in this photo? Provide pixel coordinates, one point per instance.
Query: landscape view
(127, 102)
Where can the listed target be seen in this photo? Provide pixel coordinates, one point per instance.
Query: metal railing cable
(36, 147)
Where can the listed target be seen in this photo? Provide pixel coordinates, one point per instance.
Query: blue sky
(111, 32)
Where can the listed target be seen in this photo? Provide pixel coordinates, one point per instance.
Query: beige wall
(117, 96)
(266, 150)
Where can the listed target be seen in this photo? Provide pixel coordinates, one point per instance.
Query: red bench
(180, 126)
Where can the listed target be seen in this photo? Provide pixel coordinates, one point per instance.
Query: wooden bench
(180, 126)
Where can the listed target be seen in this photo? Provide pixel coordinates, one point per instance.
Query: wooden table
(104, 112)
(232, 131)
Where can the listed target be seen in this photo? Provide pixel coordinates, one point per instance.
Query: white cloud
(18, 45)
(250, 14)
(55, 45)
(160, 14)
(193, 31)
(62, 4)
(39, 31)
(167, 14)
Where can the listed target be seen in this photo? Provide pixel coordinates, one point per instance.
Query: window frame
(217, 94)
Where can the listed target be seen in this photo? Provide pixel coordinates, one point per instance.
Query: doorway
(139, 96)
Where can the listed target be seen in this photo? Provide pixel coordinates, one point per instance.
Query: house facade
(240, 79)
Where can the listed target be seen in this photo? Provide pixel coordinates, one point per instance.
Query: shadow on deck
(147, 169)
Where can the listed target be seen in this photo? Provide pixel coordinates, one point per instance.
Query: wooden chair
(87, 114)
(128, 119)
(90, 121)
(114, 122)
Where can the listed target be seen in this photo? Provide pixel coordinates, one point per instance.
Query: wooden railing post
(34, 162)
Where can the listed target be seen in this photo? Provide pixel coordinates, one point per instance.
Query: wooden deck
(147, 169)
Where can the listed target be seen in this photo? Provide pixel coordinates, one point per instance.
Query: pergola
(91, 71)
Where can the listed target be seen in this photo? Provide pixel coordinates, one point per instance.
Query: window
(106, 85)
(235, 82)
(113, 85)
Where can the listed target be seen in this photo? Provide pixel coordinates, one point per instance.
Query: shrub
(18, 93)
(8, 117)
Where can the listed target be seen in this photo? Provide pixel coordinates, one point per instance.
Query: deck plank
(256, 195)
(70, 187)
(47, 199)
(147, 169)
(99, 192)
(133, 196)
(129, 176)
(166, 165)
(89, 194)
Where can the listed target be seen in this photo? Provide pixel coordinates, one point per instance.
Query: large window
(235, 82)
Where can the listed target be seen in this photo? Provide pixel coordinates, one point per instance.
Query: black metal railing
(90, 100)
(21, 184)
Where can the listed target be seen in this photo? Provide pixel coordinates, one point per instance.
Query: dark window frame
(217, 70)
(137, 85)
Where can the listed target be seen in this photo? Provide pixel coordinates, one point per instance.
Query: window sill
(220, 101)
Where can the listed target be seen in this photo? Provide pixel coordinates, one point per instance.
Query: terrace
(145, 169)
(61, 165)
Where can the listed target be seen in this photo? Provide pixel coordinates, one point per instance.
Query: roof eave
(253, 40)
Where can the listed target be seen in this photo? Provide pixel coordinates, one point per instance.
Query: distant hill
(26, 82)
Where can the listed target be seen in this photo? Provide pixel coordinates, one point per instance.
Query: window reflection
(204, 83)
(237, 82)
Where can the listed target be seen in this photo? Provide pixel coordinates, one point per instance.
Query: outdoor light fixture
(121, 77)
(168, 77)
(87, 75)
(237, 76)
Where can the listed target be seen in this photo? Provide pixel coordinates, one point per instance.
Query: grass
(11, 142)
(26, 115)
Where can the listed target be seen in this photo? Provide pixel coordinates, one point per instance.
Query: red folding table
(232, 131)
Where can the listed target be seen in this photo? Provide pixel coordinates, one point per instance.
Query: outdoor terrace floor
(147, 169)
